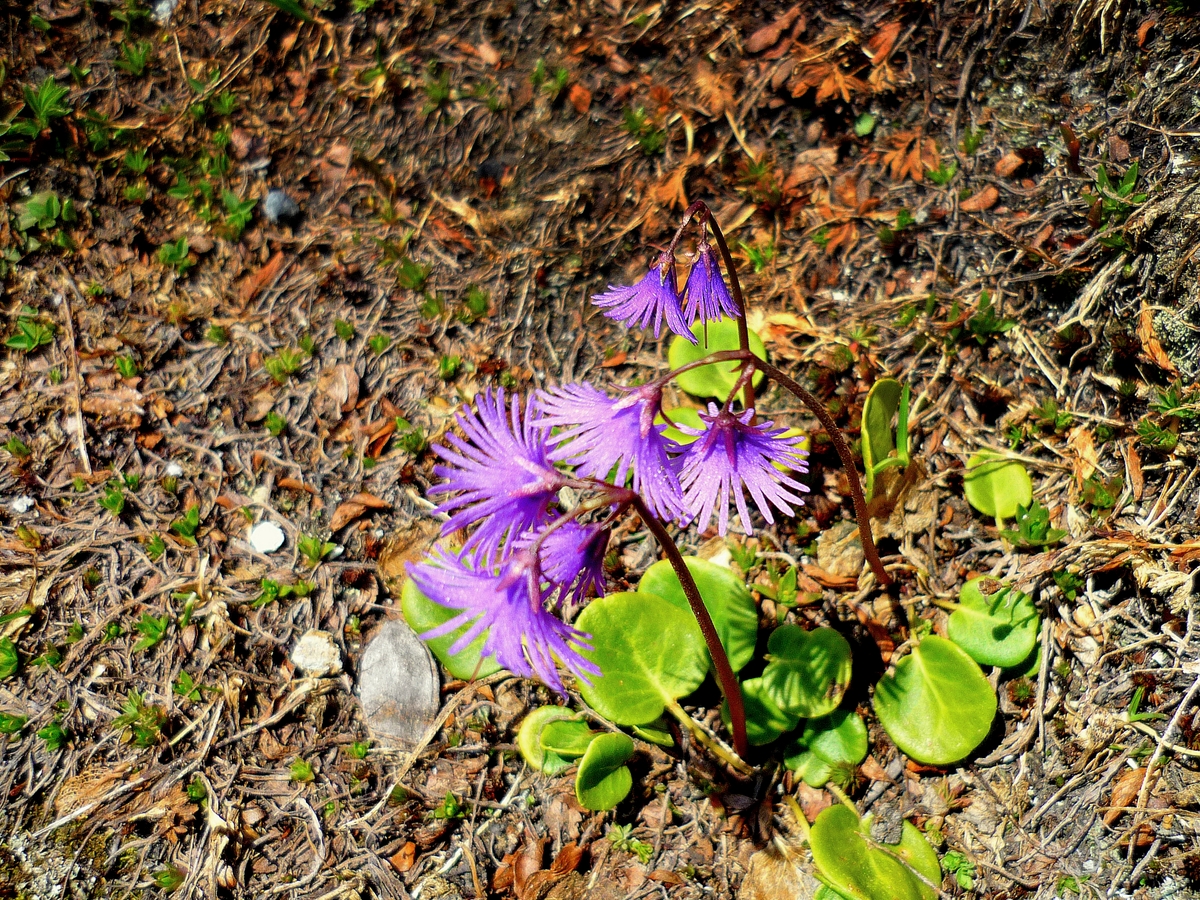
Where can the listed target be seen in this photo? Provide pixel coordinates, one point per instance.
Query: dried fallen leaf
(1085, 459)
(881, 43)
(488, 53)
(715, 91)
(337, 393)
(119, 402)
(255, 282)
(1008, 164)
(1150, 343)
(768, 35)
(354, 508)
(985, 199)
(402, 860)
(1125, 791)
(580, 97)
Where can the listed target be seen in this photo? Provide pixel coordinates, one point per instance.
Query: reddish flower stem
(725, 677)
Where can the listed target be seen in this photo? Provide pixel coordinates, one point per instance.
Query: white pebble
(22, 504)
(266, 537)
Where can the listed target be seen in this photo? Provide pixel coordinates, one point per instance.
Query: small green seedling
(176, 255)
(140, 722)
(152, 630)
(17, 448)
(11, 723)
(10, 661)
(963, 870)
(135, 57)
(54, 735)
(113, 499)
(986, 323)
(275, 423)
(186, 527)
(621, 837)
(1033, 527)
(379, 343)
(301, 771)
(943, 174)
(284, 363)
(30, 333)
(313, 549)
(650, 138)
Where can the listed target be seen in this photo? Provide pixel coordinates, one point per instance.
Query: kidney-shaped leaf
(568, 739)
(529, 738)
(808, 670)
(936, 706)
(717, 379)
(829, 748)
(424, 615)
(997, 628)
(765, 721)
(725, 596)
(649, 651)
(857, 870)
(996, 486)
(603, 779)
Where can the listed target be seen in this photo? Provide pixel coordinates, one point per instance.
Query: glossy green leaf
(715, 380)
(603, 779)
(726, 597)
(765, 721)
(424, 615)
(807, 671)
(829, 748)
(878, 410)
(529, 738)
(649, 651)
(996, 486)
(9, 660)
(857, 869)
(567, 739)
(936, 706)
(999, 628)
(656, 732)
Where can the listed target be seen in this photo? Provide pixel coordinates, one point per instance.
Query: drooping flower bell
(732, 456)
(603, 437)
(707, 295)
(507, 602)
(501, 477)
(653, 298)
(571, 559)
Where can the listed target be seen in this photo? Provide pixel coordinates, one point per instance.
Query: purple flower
(707, 295)
(507, 604)
(501, 476)
(573, 554)
(653, 297)
(733, 456)
(600, 434)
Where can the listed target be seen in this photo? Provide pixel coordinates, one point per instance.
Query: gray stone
(398, 685)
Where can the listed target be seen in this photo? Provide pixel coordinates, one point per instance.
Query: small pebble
(266, 537)
(317, 654)
(22, 504)
(162, 11)
(174, 470)
(279, 206)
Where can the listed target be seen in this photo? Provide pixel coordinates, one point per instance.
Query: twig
(73, 362)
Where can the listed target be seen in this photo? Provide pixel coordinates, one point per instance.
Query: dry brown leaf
(911, 156)
(354, 508)
(255, 282)
(580, 97)
(670, 191)
(119, 402)
(768, 35)
(1150, 344)
(716, 92)
(1008, 164)
(838, 84)
(1133, 466)
(985, 199)
(1125, 792)
(295, 484)
(1085, 460)
(402, 860)
(462, 209)
(488, 53)
(337, 393)
(880, 46)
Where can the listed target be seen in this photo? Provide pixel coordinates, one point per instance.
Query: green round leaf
(857, 870)
(567, 739)
(936, 706)
(603, 779)
(681, 415)
(808, 671)
(649, 651)
(718, 379)
(828, 748)
(764, 720)
(996, 629)
(726, 597)
(529, 738)
(424, 615)
(996, 486)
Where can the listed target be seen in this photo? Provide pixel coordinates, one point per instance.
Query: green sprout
(134, 58)
(313, 549)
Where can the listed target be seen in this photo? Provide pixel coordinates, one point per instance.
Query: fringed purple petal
(652, 299)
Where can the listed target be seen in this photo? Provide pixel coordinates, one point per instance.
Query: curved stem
(725, 677)
(715, 747)
(839, 442)
(736, 289)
